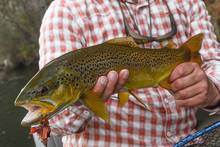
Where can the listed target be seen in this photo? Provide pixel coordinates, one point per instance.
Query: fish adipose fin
(193, 45)
(124, 95)
(123, 41)
(96, 104)
(171, 44)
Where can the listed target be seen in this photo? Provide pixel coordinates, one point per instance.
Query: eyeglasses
(146, 39)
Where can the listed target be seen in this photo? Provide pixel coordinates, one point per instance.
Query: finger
(196, 101)
(100, 85)
(190, 91)
(111, 85)
(181, 70)
(187, 81)
(122, 78)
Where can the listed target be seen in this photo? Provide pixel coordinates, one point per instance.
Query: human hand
(107, 85)
(191, 86)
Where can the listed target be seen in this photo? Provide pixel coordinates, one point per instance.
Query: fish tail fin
(193, 45)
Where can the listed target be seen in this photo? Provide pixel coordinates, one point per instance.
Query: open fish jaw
(34, 115)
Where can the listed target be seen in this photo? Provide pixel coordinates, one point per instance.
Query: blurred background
(19, 31)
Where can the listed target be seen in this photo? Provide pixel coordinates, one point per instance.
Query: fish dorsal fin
(123, 41)
(194, 43)
(171, 45)
(96, 104)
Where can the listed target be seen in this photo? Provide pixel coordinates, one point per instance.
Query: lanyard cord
(127, 27)
(146, 39)
(151, 34)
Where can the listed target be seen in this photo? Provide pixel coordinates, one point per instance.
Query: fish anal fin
(96, 104)
(136, 97)
(123, 41)
(123, 98)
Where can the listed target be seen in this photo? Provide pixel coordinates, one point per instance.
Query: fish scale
(99, 63)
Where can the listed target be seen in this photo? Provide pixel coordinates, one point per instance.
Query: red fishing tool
(43, 130)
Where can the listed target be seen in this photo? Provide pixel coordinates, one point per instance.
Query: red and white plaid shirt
(73, 24)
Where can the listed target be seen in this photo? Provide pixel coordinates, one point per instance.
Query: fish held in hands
(71, 77)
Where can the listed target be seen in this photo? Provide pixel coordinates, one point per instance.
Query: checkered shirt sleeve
(200, 22)
(211, 48)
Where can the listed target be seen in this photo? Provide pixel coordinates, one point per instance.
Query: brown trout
(70, 78)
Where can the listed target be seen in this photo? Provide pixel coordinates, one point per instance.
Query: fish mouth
(33, 116)
(36, 111)
(39, 109)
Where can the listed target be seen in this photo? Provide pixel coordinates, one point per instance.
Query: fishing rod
(197, 134)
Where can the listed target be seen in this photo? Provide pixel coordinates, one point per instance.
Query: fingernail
(112, 75)
(103, 80)
(125, 74)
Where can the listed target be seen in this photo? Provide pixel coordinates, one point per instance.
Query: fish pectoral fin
(96, 104)
(66, 94)
(123, 98)
(126, 96)
(123, 41)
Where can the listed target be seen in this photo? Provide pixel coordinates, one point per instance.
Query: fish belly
(140, 79)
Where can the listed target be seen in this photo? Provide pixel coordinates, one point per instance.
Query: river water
(11, 132)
